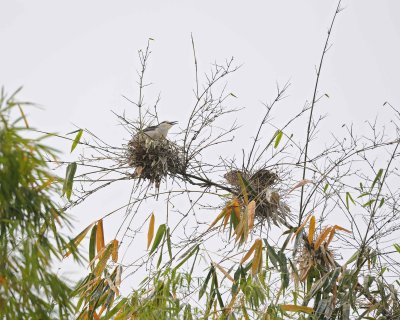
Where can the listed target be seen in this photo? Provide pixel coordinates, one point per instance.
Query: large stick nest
(154, 160)
(260, 186)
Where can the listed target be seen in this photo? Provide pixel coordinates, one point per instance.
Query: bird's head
(167, 124)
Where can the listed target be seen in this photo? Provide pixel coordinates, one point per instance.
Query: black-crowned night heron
(159, 131)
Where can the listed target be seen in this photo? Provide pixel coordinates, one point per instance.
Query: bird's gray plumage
(159, 131)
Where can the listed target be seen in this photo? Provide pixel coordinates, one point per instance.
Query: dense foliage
(29, 223)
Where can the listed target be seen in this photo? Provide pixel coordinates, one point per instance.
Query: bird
(159, 131)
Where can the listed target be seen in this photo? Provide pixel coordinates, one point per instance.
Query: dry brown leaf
(118, 276)
(324, 233)
(311, 230)
(231, 303)
(226, 274)
(150, 232)
(114, 254)
(251, 210)
(300, 184)
(138, 171)
(296, 308)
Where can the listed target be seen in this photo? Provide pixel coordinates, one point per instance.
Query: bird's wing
(151, 128)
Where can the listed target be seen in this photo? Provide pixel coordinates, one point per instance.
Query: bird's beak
(173, 122)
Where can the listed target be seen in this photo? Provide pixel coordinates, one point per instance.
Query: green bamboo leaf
(381, 202)
(69, 179)
(397, 247)
(243, 188)
(103, 260)
(349, 197)
(317, 286)
(278, 137)
(114, 310)
(273, 256)
(77, 240)
(326, 188)
(377, 178)
(159, 235)
(219, 298)
(169, 243)
(205, 284)
(77, 139)
(368, 203)
(92, 243)
(353, 257)
(186, 256)
(159, 259)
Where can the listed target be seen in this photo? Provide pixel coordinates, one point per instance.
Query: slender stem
(313, 102)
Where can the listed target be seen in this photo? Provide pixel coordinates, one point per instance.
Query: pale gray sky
(76, 59)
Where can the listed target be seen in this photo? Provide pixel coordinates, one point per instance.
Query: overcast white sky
(76, 58)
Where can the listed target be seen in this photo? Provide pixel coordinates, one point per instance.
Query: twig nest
(154, 160)
(259, 186)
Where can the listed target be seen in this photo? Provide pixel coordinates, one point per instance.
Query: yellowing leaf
(236, 208)
(115, 250)
(239, 230)
(101, 265)
(248, 254)
(295, 308)
(77, 240)
(251, 210)
(301, 227)
(322, 237)
(150, 232)
(342, 229)
(311, 230)
(226, 218)
(332, 233)
(219, 217)
(99, 235)
(334, 228)
(257, 260)
(226, 274)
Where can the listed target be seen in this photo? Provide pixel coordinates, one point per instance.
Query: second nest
(260, 187)
(154, 160)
